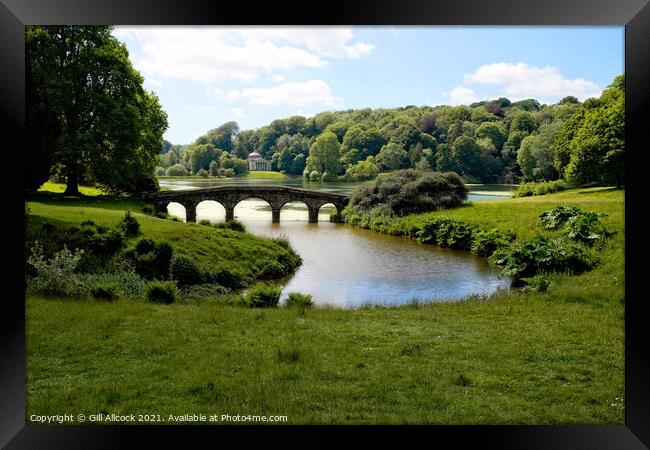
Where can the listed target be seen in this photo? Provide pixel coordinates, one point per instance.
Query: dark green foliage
(205, 222)
(263, 296)
(184, 271)
(282, 241)
(129, 225)
(271, 269)
(585, 227)
(485, 243)
(527, 259)
(202, 291)
(538, 283)
(409, 191)
(558, 216)
(149, 210)
(539, 188)
(164, 292)
(127, 283)
(234, 225)
(447, 232)
(228, 277)
(299, 300)
(151, 259)
(106, 292)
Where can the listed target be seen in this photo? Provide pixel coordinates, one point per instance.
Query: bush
(585, 228)
(202, 291)
(177, 170)
(299, 300)
(205, 222)
(126, 282)
(447, 232)
(539, 188)
(234, 225)
(129, 225)
(538, 283)
(282, 241)
(106, 292)
(542, 254)
(228, 277)
(150, 259)
(558, 216)
(229, 172)
(184, 271)
(56, 276)
(149, 210)
(485, 243)
(202, 173)
(263, 296)
(272, 269)
(162, 292)
(409, 191)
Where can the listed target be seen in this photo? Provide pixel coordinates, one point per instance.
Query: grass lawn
(521, 358)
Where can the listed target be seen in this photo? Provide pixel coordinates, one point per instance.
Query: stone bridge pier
(230, 196)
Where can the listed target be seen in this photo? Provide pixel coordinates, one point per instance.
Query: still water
(349, 267)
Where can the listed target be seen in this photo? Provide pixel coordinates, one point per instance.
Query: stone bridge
(230, 195)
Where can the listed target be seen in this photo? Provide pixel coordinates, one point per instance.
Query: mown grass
(555, 357)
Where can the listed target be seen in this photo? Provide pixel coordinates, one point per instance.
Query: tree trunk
(72, 184)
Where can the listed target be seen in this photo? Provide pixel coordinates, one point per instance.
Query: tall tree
(324, 156)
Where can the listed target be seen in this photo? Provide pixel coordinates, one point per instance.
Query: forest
(496, 141)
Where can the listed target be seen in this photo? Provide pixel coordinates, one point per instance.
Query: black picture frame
(633, 14)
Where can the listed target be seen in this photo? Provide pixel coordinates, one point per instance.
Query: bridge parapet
(230, 195)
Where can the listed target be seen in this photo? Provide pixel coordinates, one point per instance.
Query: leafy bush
(558, 216)
(228, 277)
(282, 241)
(127, 283)
(184, 271)
(202, 291)
(205, 222)
(585, 228)
(485, 243)
(177, 170)
(202, 173)
(539, 188)
(150, 259)
(542, 254)
(107, 292)
(263, 296)
(538, 283)
(447, 232)
(272, 269)
(56, 276)
(234, 225)
(149, 210)
(409, 191)
(299, 300)
(129, 225)
(162, 292)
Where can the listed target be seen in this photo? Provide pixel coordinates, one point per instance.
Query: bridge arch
(211, 210)
(244, 205)
(297, 210)
(176, 209)
(326, 210)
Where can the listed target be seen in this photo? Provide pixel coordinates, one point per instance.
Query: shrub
(149, 210)
(129, 225)
(202, 291)
(585, 227)
(162, 292)
(150, 259)
(56, 276)
(272, 269)
(202, 173)
(542, 254)
(447, 232)
(177, 170)
(184, 271)
(205, 222)
(126, 282)
(228, 277)
(263, 296)
(409, 191)
(234, 225)
(229, 172)
(106, 292)
(299, 300)
(558, 216)
(538, 283)
(485, 243)
(314, 176)
(539, 188)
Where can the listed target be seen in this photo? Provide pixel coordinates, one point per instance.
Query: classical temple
(257, 162)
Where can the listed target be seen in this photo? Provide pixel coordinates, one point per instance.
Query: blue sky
(205, 76)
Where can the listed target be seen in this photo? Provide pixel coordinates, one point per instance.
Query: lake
(349, 267)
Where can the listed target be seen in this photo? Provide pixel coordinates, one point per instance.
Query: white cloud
(200, 108)
(522, 80)
(233, 95)
(461, 95)
(208, 54)
(296, 94)
(239, 113)
(153, 82)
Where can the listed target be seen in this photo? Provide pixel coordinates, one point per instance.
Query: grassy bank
(534, 358)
